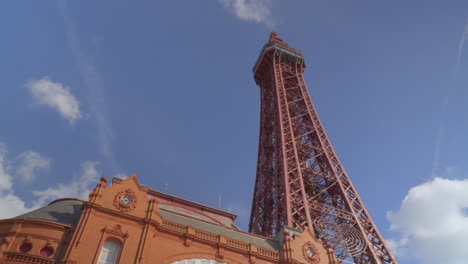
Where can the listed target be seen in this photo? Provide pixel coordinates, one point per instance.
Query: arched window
(109, 252)
(47, 251)
(197, 261)
(25, 247)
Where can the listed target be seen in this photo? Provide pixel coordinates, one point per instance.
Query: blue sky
(165, 90)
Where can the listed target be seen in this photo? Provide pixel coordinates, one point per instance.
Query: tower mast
(300, 181)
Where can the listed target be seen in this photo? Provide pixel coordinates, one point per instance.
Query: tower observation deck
(300, 181)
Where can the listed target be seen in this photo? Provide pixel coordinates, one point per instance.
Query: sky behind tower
(165, 89)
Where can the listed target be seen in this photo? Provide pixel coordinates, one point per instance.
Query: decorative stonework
(116, 231)
(310, 253)
(4, 243)
(125, 200)
(197, 261)
(214, 239)
(117, 228)
(13, 257)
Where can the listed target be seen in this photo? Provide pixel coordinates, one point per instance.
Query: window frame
(107, 234)
(197, 261)
(117, 253)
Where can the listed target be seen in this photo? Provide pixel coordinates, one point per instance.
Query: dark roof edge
(35, 220)
(65, 199)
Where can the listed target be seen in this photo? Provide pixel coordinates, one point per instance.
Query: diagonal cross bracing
(300, 181)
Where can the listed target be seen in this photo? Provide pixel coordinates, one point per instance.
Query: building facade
(125, 222)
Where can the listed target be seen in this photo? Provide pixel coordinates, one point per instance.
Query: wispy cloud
(5, 177)
(438, 142)
(95, 85)
(12, 205)
(79, 187)
(29, 162)
(433, 222)
(121, 175)
(461, 44)
(55, 96)
(250, 10)
(445, 102)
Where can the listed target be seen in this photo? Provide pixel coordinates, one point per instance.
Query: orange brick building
(125, 222)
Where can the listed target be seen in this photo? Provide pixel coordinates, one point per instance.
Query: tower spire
(274, 38)
(300, 181)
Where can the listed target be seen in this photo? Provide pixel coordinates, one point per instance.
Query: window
(47, 251)
(25, 247)
(109, 252)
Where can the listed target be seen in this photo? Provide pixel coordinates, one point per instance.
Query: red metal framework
(300, 181)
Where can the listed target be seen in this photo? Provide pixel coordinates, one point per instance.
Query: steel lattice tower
(300, 181)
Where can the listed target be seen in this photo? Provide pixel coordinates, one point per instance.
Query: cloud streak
(250, 10)
(445, 102)
(433, 218)
(461, 44)
(94, 83)
(55, 96)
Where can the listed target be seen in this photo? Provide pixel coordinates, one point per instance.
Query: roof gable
(127, 196)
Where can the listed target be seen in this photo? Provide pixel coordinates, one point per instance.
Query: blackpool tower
(300, 181)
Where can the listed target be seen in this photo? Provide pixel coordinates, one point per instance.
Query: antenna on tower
(219, 201)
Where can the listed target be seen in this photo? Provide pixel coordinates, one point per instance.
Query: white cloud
(12, 205)
(5, 177)
(78, 188)
(56, 96)
(250, 10)
(29, 163)
(433, 222)
(121, 176)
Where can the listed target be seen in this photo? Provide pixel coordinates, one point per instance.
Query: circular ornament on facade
(125, 200)
(310, 253)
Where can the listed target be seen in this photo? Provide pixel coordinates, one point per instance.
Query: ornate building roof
(134, 224)
(66, 211)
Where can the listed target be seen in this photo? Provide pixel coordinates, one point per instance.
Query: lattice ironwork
(300, 181)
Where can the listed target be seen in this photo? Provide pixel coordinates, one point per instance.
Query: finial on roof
(274, 37)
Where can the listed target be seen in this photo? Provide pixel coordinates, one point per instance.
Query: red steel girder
(300, 181)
